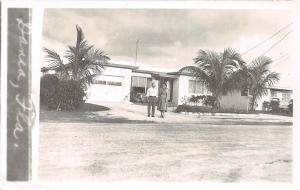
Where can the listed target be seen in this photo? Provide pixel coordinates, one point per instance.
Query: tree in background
(261, 78)
(84, 61)
(219, 72)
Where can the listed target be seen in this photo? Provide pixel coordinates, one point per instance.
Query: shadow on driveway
(87, 113)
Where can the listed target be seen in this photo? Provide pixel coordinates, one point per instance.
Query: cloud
(168, 38)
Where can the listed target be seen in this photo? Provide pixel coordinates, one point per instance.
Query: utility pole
(136, 51)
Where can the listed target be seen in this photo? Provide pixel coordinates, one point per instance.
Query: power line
(273, 35)
(277, 42)
(281, 57)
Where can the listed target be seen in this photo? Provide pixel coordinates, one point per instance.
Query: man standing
(152, 94)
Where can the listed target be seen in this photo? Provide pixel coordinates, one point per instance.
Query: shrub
(49, 91)
(70, 94)
(265, 106)
(193, 109)
(206, 109)
(274, 106)
(137, 97)
(196, 99)
(65, 95)
(209, 100)
(290, 107)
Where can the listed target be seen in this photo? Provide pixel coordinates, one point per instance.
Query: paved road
(165, 152)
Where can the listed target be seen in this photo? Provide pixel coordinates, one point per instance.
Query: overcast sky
(170, 39)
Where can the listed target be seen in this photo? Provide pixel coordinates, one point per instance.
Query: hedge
(63, 95)
(193, 109)
(48, 91)
(70, 95)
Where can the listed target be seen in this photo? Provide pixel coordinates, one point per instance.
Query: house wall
(176, 91)
(266, 97)
(120, 72)
(141, 75)
(181, 89)
(235, 101)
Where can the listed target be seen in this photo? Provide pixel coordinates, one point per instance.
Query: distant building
(240, 99)
(283, 94)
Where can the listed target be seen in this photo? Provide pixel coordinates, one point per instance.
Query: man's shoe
(148, 115)
(152, 116)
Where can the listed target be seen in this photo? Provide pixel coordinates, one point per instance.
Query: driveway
(132, 113)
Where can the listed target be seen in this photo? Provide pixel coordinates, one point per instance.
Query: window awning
(162, 75)
(139, 81)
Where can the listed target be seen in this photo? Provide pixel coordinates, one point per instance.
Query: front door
(169, 83)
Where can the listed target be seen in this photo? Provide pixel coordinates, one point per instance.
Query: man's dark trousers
(151, 104)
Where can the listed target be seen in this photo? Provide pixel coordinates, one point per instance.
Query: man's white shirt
(152, 92)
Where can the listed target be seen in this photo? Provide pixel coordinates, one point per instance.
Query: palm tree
(261, 77)
(84, 61)
(218, 72)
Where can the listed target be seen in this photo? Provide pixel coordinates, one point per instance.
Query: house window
(112, 83)
(139, 82)
(244, 92)
(196, 87)
(95, 81)
(103, 82)
(192, 86)
(273, 94)
(286, 97)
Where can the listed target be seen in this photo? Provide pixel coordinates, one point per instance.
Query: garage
(106, 88)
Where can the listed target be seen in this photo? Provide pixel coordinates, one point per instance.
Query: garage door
(106, 88)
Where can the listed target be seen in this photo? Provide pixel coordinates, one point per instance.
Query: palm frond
(206, 79)
(271, 79)
(261, 77)
(55, 61)
(231, 57)
(80, 36)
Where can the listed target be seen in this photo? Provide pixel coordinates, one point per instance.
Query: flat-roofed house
(119, 83)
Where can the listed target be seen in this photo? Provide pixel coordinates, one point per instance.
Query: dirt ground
(165, 152)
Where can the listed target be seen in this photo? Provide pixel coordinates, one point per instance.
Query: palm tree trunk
(253, 102)
(217, 105)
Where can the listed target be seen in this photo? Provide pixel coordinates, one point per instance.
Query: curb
(215, 114)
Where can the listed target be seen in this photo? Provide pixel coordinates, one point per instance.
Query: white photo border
(38, 8)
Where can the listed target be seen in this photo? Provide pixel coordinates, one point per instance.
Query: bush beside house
(48, 91)
(208, 109)
(193, 109)
(60, 94)
(70, 95)
(66, 89)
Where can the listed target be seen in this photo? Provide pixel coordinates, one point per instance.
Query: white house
(118, 82)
